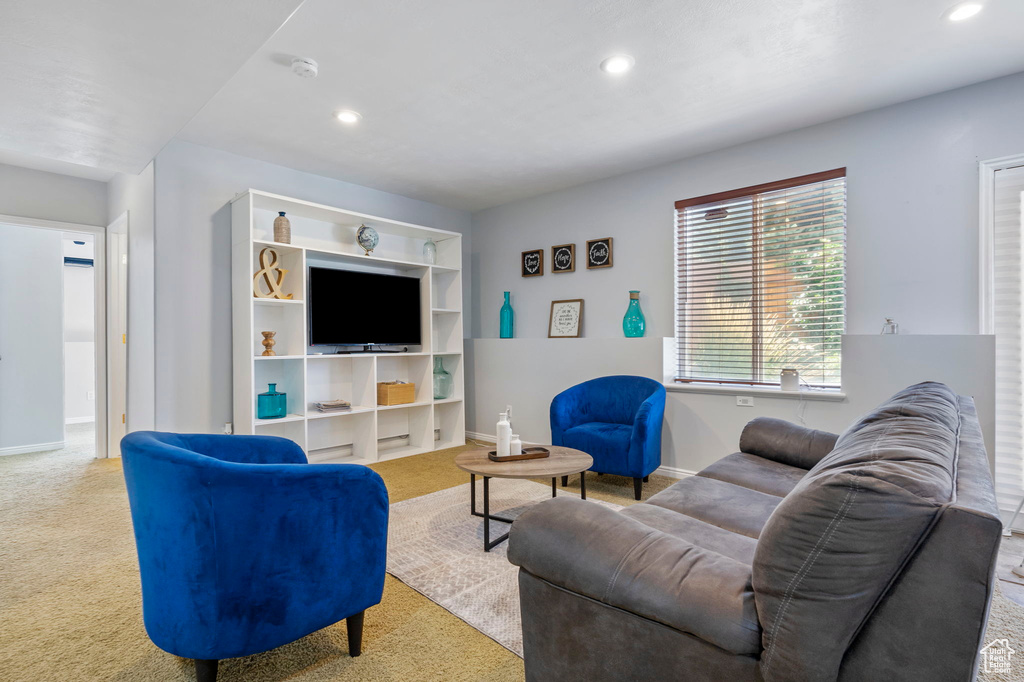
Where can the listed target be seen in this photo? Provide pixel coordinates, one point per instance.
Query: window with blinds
(761, 275)
(1008, 313)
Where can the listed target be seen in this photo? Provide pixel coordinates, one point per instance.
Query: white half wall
(31, 340)
(701, 428)
(194, 188)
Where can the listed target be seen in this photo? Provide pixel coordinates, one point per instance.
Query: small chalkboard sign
(599, 253)
(563, 258)
(533, 263)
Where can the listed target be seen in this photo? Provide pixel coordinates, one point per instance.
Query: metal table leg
(487, 517)
(583, 485)
(554, 488)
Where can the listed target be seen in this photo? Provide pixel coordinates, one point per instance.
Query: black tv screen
(348, 308)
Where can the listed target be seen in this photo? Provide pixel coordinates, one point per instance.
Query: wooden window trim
(833, 174)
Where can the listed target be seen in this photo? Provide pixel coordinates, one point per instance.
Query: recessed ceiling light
(620, 63)
(348, 116)
(964, 10)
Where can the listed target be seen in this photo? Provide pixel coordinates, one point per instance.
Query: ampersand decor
(273, 285)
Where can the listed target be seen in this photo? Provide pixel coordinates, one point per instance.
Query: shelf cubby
(450, 421)
(405, 431)
(414, 369)
(345, 377)
(288, 374)
(348, 435)
(289, 323)
(446, 289)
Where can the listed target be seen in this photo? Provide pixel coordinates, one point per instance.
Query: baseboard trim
(37, 447)
(79, 420)
(671, 472)
(480, 436)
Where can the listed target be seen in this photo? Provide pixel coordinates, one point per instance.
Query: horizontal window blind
(1007, 292)
(761, 275)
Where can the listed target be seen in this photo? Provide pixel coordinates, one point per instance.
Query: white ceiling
(472, 104)
(466, 103)
(107, 84)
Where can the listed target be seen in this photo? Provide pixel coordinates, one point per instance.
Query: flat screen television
(349, 308)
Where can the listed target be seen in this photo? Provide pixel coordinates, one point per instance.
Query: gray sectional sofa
(803, 557)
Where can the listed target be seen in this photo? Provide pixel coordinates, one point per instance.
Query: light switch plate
(745, 400)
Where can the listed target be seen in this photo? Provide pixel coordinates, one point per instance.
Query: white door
(117, 332)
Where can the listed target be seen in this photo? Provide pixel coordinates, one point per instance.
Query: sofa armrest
(594, 551)
(786, 442)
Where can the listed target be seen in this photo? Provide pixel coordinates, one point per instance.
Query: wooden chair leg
(565, 481)
(646, 479)
(355, 633)
(206, 671)
(638, 487)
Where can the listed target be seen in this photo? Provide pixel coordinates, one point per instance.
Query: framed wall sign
(566, 319)
(563, 258)
(533, 263)
(599, 253)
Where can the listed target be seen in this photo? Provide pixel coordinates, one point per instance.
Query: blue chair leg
(354, 624)
(206, 671)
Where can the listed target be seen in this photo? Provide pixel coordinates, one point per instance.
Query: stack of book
(334, 406)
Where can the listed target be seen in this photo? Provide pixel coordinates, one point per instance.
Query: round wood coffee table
(561, 462)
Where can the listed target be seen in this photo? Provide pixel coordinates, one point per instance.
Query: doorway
(54, 384)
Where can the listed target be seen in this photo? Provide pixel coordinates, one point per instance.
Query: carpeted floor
(70, 607)
(69, 589)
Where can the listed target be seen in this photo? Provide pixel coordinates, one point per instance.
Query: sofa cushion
(694, 531)
(785, 442)
(834, 545)
(606, 443)
(756, 473)
(732, 507)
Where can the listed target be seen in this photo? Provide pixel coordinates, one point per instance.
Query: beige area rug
(436, 547)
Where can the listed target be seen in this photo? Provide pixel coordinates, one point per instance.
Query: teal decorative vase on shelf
(508, 317)
(442, 380)
(633, 323)
(272, 404)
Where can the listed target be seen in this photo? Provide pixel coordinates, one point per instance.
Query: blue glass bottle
(507, 319)
(634, 324)
(272, 404)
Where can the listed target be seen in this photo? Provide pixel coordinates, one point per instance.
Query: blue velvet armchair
(244, 546)
(617, 421)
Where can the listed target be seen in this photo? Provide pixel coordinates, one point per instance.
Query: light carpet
(435, 546)
(70, 607)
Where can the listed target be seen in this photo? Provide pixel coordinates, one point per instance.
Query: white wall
(135, 194)
(912, 241)
(79, 332)
(31, 339)
(29, 193)
(194, 186)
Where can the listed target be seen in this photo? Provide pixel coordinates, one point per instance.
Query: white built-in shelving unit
(324, 236)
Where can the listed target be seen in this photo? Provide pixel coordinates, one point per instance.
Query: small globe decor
(367, 238)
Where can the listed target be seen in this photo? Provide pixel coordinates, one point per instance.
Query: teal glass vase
(508, 317)
(633, 323)
(442, 380)
(271, 405)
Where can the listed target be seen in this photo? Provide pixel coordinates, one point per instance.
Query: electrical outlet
(745, 400)
(229, 428)
(90, 395)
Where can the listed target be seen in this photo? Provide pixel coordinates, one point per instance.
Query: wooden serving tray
(528, 453)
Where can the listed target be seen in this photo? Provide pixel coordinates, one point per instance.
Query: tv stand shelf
(324, 236)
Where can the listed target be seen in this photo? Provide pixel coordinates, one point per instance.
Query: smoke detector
(304, 68)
